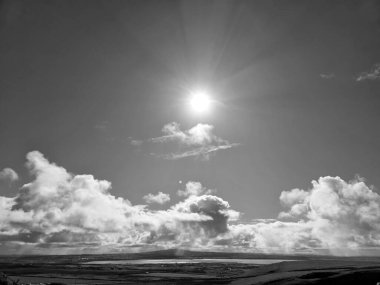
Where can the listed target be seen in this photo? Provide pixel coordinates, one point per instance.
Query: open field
(71, 269)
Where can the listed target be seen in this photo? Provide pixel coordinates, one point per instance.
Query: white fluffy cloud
(198, 141)
(8, 174)
(159, 198)
(193, 188)
(341, 215)
(60, 211)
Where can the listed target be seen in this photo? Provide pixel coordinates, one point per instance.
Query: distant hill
(168, 254)
(180, 253)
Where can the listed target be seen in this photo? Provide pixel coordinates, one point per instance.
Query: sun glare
(200, 102)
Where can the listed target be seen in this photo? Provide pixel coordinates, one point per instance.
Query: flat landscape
(187, 267)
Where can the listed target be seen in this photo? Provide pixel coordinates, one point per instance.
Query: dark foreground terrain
(75, 269)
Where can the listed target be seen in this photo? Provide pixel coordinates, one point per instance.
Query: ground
(75, 270)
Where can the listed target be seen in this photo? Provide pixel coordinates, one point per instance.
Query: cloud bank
(58, 212)
(198, 141)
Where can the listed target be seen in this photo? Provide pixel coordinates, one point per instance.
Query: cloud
(327, 75)
(373, 74)
(8, 174)
(202, 152)
(198, 141)
(201, 134)
(61, 210)
(159, 198)
(210, 206)
(193, 188)
(136, 142)
(58, 212)
(340, 215)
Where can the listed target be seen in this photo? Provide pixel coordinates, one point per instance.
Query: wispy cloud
(373, 74)
(159, 198)
(327, 75)
(136, 142)
(198, 141)
(202, 152)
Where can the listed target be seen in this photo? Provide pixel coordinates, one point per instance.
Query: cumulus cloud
(340, 215)
(198, 141)
(373, 74)
(193, 188)
(59, 211)
(8, 174)
(334, 216)
(211, 206)
(159, 198)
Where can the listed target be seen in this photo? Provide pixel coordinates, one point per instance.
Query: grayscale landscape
(189, 267)
(189, 142)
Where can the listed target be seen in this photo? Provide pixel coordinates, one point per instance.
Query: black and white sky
(102, 149)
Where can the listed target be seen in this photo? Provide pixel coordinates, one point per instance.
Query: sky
(95, 112)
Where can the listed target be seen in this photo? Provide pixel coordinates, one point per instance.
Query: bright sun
(200, 101)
